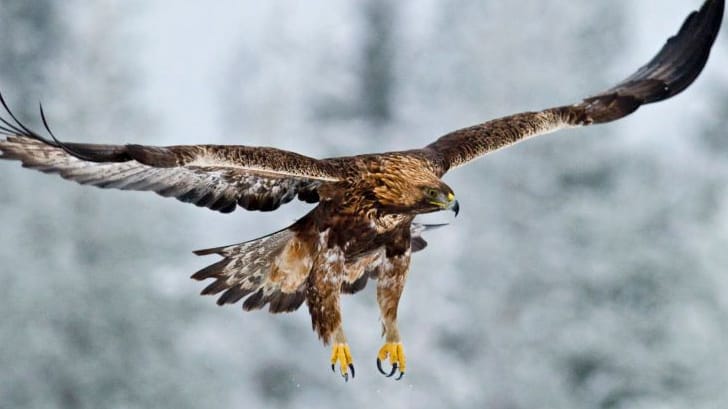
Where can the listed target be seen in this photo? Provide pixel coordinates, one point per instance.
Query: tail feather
(273, 270)
(211, 271)
(259, 270)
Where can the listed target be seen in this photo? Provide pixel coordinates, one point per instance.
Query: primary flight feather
(362, 227)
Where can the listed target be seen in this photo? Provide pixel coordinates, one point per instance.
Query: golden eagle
(362, 227)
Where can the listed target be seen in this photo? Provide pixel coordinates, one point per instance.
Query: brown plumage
(362, 227)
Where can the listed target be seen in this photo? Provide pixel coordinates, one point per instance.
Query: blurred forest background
(587, 268)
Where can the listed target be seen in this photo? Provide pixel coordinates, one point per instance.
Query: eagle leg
(390, 283)
(322, 297)
(341, 354)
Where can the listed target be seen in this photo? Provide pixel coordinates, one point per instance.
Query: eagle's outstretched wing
(218, 177)
(675, 67)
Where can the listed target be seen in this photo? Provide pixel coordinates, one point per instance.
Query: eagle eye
(431, 193)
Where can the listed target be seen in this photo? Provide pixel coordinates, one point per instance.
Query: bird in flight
(362, 227)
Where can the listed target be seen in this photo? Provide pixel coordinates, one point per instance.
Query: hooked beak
(452, 204)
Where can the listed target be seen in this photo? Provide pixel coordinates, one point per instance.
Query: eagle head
(415, 195)
(438, 198)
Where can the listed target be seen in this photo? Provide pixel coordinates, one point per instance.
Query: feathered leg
(390, 283)
(322, 297)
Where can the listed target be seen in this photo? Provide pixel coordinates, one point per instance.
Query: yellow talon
(341, 354)
(395, 353)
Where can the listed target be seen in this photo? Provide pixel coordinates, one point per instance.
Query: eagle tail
(261, 270)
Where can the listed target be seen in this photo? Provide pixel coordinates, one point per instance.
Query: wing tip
(672, 70)
(13, 127)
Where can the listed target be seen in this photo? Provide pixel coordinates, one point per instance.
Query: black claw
(379, 366)
(401, 374)
(394, 369)
(391, 373)
(333, 368)
(353, 373)
(346, 377)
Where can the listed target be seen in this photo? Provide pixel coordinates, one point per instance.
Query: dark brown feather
(356, 286)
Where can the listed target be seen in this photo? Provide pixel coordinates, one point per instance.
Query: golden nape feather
(362, 226)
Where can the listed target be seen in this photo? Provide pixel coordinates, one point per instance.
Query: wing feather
(219, 177)
(672, 70)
